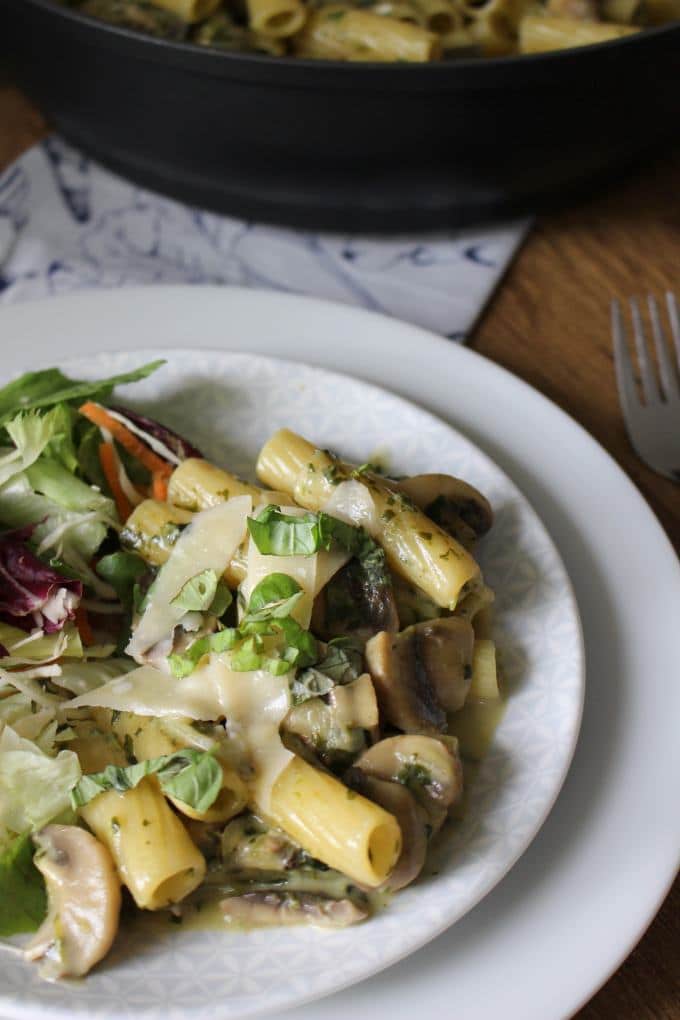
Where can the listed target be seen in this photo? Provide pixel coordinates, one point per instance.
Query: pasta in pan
(411, 31)
(236, 693)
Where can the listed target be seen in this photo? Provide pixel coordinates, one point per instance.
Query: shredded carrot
(159, 488)
(84, 627)
(98, 415)
(109, 462)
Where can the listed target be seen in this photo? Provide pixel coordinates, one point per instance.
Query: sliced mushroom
(413, 822)
(422, 673)
(443, 649)
(335, 725)
(356, 602)
(258, 909)
(453, 504)
(429, 767)
(248, 844)
(83, 891)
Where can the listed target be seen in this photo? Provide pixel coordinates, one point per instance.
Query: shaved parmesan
(208, 543)
(253, 703)
(148, 691)
(352, 503)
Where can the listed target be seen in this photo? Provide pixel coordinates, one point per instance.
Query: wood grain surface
(549, 324)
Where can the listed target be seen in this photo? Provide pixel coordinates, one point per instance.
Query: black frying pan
(346, 146)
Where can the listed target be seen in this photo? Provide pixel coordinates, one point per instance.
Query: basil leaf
(310, 683)
(274, 597)
(23, 900)
(197, 594)
(222, 600)
(299, 640)
(247, 656)
(187, 775)
(278, 534)
(342, 661)
(277, 667)
(184, 663)
(197, 784)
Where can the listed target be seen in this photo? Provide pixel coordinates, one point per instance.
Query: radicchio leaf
(181, 447)
(30, 588)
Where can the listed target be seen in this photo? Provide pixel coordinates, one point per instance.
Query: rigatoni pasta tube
(399, 10)
(341, 33)
(197, 485)
(148, 738)
(152, 850)
(624, 12)
(276, 18)
(440, 16)
(339, 827)
(153, 528)
(415, 547)
(542, 35)
(484, 684)
(188, 10)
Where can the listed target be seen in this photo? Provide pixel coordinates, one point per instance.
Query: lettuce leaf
(192, 776)
(34, 788)
(50, 386)
(81, 533)
(23, 898)
(82, 677)
(50, 478)
(30, 433)
(122, 570)
(43, 648)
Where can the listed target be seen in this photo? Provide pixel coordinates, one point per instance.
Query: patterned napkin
(66, 224)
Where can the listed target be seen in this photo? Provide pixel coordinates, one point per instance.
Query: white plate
(229, 404)
(571, 909)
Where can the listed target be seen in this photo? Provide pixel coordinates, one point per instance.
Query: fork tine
(624, 369)
(649, 387)
(674, 316)
(668, 380)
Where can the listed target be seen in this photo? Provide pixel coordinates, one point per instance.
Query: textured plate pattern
(228, 404)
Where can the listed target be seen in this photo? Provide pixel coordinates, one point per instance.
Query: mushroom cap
(444, 647)
(259, 909)
(455, 505)
(84, 899)
(401, 803)
(422, 673)
(429, 767)
(406, 695)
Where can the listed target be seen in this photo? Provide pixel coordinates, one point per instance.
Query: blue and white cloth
(67, 224)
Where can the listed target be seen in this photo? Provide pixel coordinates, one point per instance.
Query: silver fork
(653, 425)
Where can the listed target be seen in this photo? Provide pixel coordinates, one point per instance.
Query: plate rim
(26, 1011)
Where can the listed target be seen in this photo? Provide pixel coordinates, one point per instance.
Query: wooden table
(549, 324)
